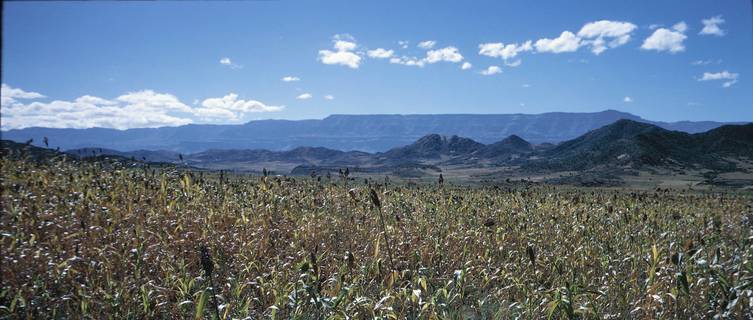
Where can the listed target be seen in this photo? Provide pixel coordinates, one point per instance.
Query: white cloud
(148, 100)
(9, 95)
(566, 42)
(380, 53)
(329, 97)
(304, 96)
(142, 109)
(513, 63)
(525, 85)
(466, 65)
(680, 26)
(229, 63)
(491, 70)
(139, 109)
(504, 51)
(345, 58)
(426, 45)
(9, 92)
(627, 99)
(711, 26)
(408, 61)
(706, 62)
(605, 33)
(231, 108)
(728, 77)
(448, 54)
(290, 79)
(344, 44)
(667, 40)
(403, 44)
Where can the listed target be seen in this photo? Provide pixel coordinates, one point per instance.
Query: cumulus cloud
(504, 51)
(231, 108)
(627, 99)
(344, 54)
(329, 97)
(10, 95)
(345, 58)
(304, 96)
(229, 63)
(566, 42)
(380, 53)
(447, 54)
(426, 45)
(466, 65)
(491, 70)
(711, 26)
(664, 39)
(403, 44)
(604, 34)
(290, 79)
(729, 78)
(139, 109)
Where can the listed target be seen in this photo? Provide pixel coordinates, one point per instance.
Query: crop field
(89, 240)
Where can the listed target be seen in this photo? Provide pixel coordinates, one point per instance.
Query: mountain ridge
(622, 144)
(370, 133)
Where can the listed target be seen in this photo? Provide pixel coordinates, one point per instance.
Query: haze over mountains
(370, 133)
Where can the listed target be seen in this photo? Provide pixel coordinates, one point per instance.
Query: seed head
(206, 260)
(375, 199)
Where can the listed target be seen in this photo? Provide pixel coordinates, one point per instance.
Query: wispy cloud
(229, 63)
(729, 78)
(304, 96)
(290, 79)
(706, 62)
(426, 45)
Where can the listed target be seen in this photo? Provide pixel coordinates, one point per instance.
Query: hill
(633, 144)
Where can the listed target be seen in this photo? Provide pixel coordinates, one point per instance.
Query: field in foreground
(83, 240)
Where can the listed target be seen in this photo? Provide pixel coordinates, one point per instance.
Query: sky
(149, 64)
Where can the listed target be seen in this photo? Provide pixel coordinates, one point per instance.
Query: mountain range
(369, 133)
(622, 144)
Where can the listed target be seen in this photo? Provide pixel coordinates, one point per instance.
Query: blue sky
(146, 64)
